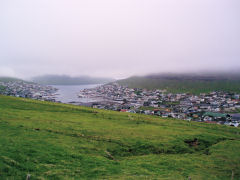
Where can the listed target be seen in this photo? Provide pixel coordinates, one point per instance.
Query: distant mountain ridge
(68, 80)
(186, 82)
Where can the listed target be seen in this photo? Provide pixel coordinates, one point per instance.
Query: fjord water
(69, 93)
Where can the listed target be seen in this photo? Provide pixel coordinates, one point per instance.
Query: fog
(118, 38)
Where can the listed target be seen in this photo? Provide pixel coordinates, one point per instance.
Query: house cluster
(28, 90)
(214, 107)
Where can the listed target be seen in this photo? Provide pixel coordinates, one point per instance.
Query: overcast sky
(118, 38)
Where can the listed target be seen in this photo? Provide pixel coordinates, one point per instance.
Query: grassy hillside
(2, 88)
(179, 83)
(57, 141)
(9, 79)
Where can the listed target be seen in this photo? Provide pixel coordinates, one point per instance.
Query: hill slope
(192, 83)
(58, 141)
(67, 80)
(9, 79)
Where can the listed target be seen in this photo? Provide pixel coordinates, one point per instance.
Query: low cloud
(6, 71)
(118, 38)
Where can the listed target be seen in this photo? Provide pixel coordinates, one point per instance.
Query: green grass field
(58, 141)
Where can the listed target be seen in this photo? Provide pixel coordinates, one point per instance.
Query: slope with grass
(58, 141)
(2, 88)
(9, 79)
(186, 83)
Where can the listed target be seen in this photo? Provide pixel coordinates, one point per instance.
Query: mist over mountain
(68, 80)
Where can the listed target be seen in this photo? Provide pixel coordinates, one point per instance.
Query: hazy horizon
(118, 39)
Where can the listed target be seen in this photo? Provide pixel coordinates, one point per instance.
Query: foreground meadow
(58, 141)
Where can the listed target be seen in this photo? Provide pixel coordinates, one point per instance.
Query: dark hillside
(192, 83)
(9, 79)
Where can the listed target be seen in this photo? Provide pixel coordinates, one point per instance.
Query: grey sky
(118, 38)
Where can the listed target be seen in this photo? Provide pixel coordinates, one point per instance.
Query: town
(214, 107)
(28, 90)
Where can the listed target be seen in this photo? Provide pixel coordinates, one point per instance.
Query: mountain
(59, 141)
(188, 82)
(68, 80)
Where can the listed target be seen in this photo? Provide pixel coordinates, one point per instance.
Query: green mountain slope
(58, 141)
(191, 83)
(9, 79)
